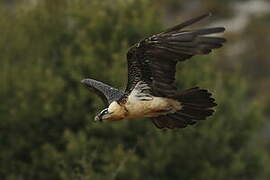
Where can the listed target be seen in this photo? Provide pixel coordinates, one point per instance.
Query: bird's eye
(105, 111)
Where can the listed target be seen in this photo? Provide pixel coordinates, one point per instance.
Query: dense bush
(47, 129)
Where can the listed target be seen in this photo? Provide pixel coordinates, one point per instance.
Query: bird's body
(135, 108)
(139, 104)
(155, 107)
(151, 90)
(146, 105)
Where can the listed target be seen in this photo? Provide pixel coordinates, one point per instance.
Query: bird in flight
(151, 90)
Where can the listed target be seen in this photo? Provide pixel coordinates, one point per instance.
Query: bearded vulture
(151, 90)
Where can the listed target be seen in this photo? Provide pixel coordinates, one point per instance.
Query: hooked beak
(98, 119)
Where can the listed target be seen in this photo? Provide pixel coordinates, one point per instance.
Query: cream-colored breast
(139, 108)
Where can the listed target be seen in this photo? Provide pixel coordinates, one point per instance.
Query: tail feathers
(167, 121)
(196, 105)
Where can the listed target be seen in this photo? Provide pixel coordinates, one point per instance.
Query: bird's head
(115, 111)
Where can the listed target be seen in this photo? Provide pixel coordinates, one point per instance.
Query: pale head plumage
(114, 112)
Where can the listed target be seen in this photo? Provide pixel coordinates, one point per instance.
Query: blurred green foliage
(46, 129)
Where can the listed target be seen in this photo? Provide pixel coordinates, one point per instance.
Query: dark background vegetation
(46, 116)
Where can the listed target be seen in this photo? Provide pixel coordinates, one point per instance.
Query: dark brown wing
(154, 59)
(107, 93)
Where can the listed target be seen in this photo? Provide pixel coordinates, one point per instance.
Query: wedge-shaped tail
(196, 105)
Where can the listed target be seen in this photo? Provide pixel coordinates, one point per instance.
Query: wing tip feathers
(83, 81)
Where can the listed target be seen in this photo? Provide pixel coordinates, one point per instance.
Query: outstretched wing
(154, 59)
(107, 93)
